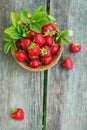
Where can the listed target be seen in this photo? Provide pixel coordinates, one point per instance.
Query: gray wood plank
(67, 90)
(18, 87)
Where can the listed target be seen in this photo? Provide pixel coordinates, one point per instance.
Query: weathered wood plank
(18, 87)
(67, 90)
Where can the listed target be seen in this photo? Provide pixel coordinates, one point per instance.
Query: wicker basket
(25, 65)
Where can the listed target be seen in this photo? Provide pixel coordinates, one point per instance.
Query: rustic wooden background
(66, 90)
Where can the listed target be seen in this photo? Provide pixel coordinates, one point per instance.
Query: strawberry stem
(32, 45)
(44, 51)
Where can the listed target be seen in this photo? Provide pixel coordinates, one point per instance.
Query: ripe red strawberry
(67, 63)
(55, 49)
(31, 35)
(74, 48)
(47, 60)
(17, 114)
(34, 49)
(25, 43)
(45, 51)
(48, 27)
(39, 39)
(34, 63)
(49, 40)
(18, 44)
(21, 55)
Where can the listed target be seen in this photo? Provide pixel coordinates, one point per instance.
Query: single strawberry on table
(25, 43)
(74, 47)
(21, 55)
(67, 63)
(17, 114)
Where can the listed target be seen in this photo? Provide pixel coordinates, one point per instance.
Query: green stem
(45, 82)
(45, 100)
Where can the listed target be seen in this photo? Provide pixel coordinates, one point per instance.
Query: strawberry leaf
(15, 18)
(51, 18)
(13, 46)
(44, 21)
(20, 29)
(25, 15)
(38, 16)
(64, 33)
(65, 40)
(35, 27)
(7, 47)
(40, 9)
(13, 33)
(7, 38)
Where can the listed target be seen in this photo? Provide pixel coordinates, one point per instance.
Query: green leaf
(16, 36)
(20, 29)
(51, 18)
(44, 22)
(10, 29)
(40, 9)
(64, 33)
(25, 15)
(35, 27)
(38, 16)
(13, 33)
(7, 47)
(15, 18)
(65, 40)
(13, 45)
(7, 38)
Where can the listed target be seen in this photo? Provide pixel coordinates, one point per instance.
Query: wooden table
(66, 90)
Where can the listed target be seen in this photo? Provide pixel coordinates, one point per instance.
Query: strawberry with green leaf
(17, 114)
(33, 50)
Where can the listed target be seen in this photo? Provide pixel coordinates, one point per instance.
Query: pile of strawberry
(38, 48)
(35, 39)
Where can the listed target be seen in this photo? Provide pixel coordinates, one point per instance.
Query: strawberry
(45, 51)
(21, 55)
(33, 49)
(25, 43)
(18, 44)
(39, 39)
(17, 114)
(34, 63)
(49, 40)
(31, 35)
(74, 48)
(48, 28)
(55, 49)
(67, 63)
(47, 60)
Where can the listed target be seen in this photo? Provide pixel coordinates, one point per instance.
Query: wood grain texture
(67, 90)
(18, 87)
